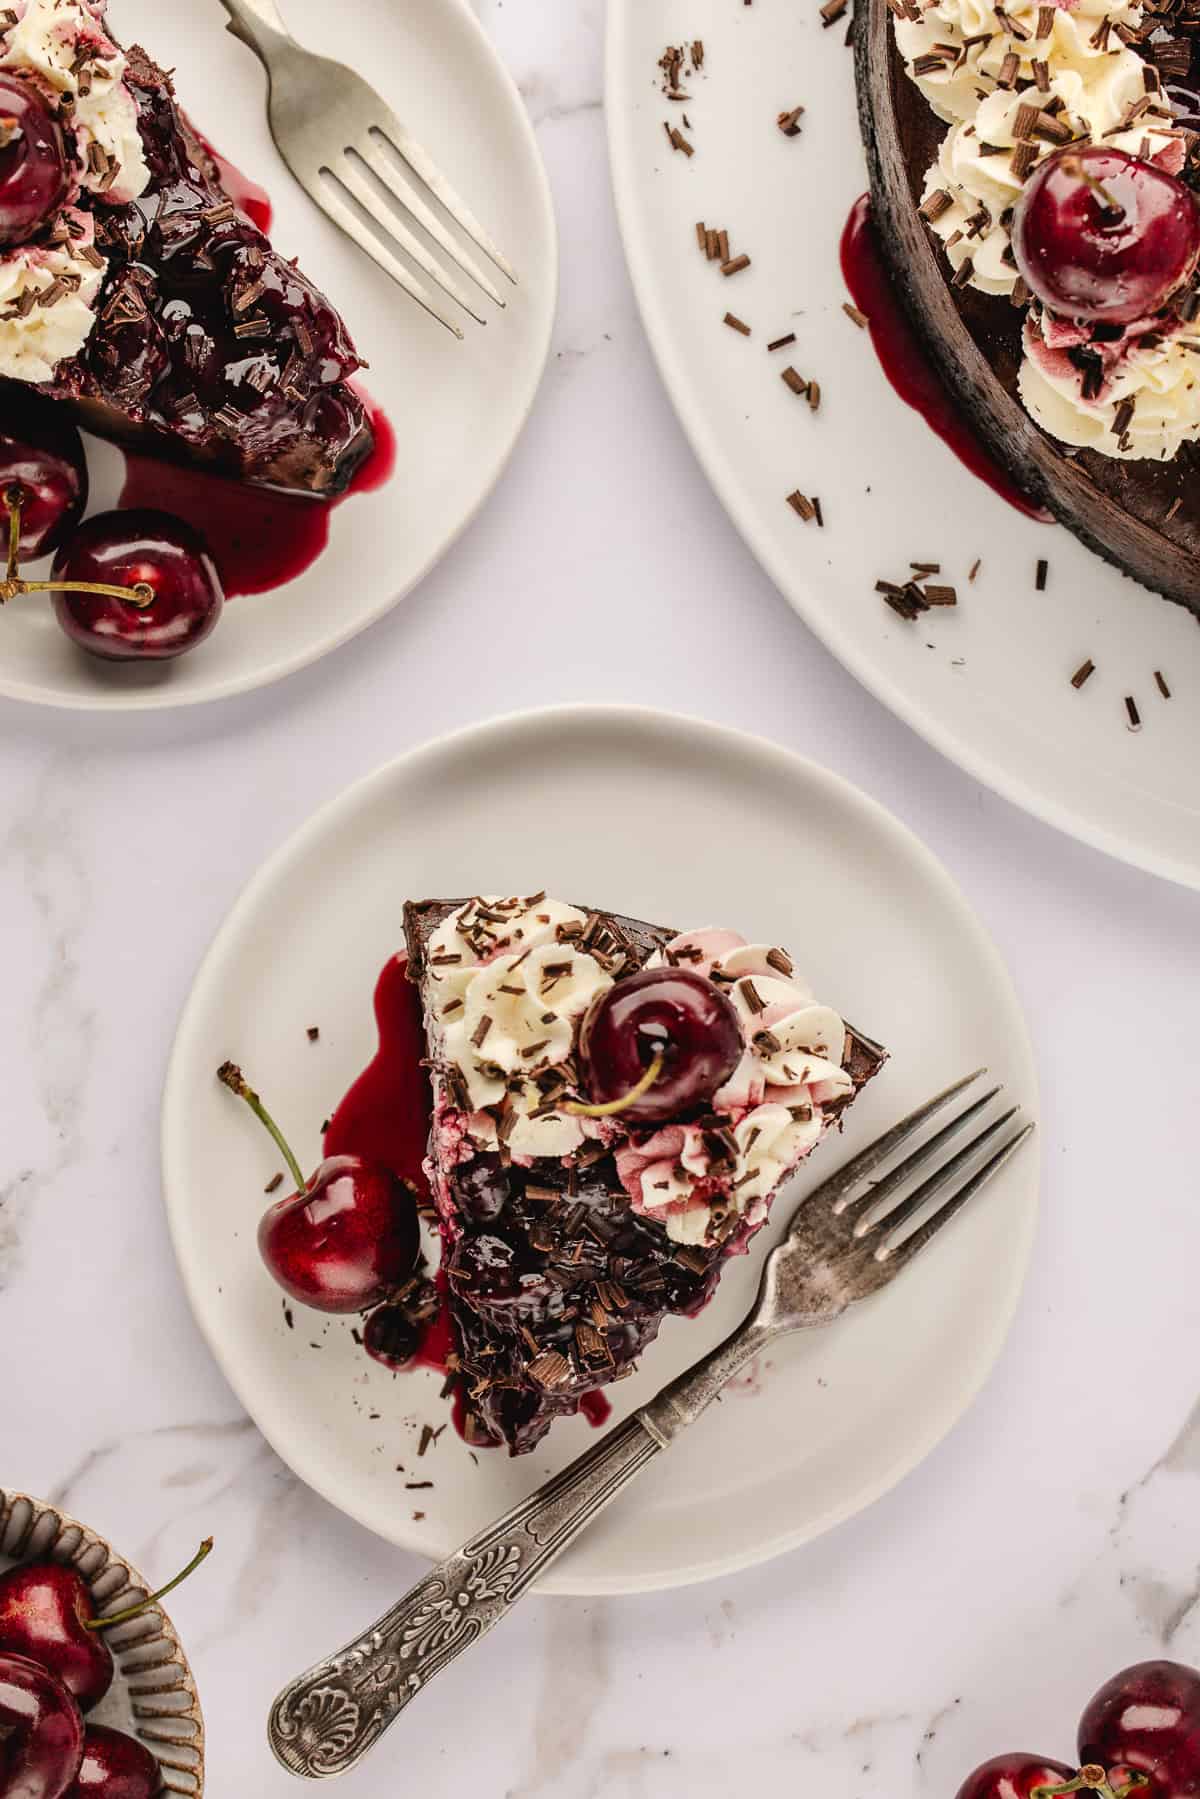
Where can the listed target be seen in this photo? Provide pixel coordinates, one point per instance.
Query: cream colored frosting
(35, 338)
(509, 982)
(1162, 381)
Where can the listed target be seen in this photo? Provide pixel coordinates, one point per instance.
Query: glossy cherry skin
(33, 161)
(1088, 261)
(1147, 1719)
(43, 1613)
(41, 1732)
(1013, 1777)
(345, 1242)
(122, 549)
(114, 1766)
(41, 454)
(669, 1010)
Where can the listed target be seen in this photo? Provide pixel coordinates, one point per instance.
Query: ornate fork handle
(324, 1722)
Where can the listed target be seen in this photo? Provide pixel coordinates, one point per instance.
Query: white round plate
(457, 408)
(670, 820)
(989, 683)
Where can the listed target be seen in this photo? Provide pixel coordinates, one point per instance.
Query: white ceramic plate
(670, 820)
(988, 684)
(457, 408)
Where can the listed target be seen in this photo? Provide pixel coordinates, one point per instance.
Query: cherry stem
(14, 499)
(141, 594)
(135, 1611)
(1092, 1779)
(631, 1098)
(231, 1074)
(1112, 206)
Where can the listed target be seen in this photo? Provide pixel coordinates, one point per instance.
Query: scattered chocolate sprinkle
(853, 313)
(1135, 717)
(941, 596)
(1160, 682)
(480, 1032)
(1023, 158)
(736, 324)
(273, 1185)
(735, 266)
(1045, 21)
(963, 273)
(1043, 569)
(814, 395)
(1010, 68)
(1173, 509)
(938, 202)
(789, 122)
(796, 382)
(832, 11)
(781, 343)
(416, 1486)
(712, 246)
(677, 140)
(802, 505)
(975, 568)
(314, 1031)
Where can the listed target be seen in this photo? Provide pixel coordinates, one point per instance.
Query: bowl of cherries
(1139, 1735)
(96, 1697)
(126, 586)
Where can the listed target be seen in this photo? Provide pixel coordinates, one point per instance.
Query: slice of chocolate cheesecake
(571, 1230)
(960, 105)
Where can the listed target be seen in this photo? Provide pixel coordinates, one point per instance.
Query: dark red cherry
(115, 1766)
(392, 1338)
(1013, 1777)
(33, 161)
(669, 1012)
(128, 550)
(1147, 1720)
(347, 1237)
(1100, 235)
(42, 469)
(45, 1610)
(41, 1732)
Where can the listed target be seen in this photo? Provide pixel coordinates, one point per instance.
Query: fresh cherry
(136, 586)
(1146, 1721)
(41, 1732)
(1100, 235)
(347, 1237)
(33, 161)
(1013, 1777)
(43, 474)
(115, 1766)
(668, 1020)
(48, 1614)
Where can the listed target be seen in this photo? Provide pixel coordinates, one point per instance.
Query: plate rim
(709, 453)
(508, 725)
(267, 675)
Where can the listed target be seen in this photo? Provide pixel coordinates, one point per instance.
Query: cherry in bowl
(1101, 236)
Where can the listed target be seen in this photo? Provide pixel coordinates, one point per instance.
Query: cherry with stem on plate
(1104, 237)
(41, 1732)
(135, 586)
(43, 477)
(348, 1235)
(114, 1766)
(655, 1048)
(33, 161)
(48, 1614)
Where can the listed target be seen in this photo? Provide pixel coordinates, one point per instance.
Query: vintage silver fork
(845, 1242)
(334, 131)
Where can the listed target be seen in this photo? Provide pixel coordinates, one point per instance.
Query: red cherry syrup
(906, 362)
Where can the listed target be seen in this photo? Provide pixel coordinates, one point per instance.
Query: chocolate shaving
(789, 122)
(1083, 673)
(736, 324)
(1160, 682)
(735, 265)
(1135, 717)
(781, 343)
(854, 315)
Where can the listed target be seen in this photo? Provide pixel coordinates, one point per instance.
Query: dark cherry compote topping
(656, 1047)
(1103, 236)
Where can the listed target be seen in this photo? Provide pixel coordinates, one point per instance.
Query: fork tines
(880, 1211)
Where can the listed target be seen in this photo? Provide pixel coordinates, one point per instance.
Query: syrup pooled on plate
(905, 361)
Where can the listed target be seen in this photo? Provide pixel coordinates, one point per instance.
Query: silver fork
(333, 131)
(845, 1242)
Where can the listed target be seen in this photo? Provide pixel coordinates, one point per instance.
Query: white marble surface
(1049, 1541)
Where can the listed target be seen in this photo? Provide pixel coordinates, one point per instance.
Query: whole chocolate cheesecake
(961, 105)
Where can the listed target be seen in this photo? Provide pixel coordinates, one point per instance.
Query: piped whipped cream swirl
(61, 47)
(1014, 82)
(509, 982)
